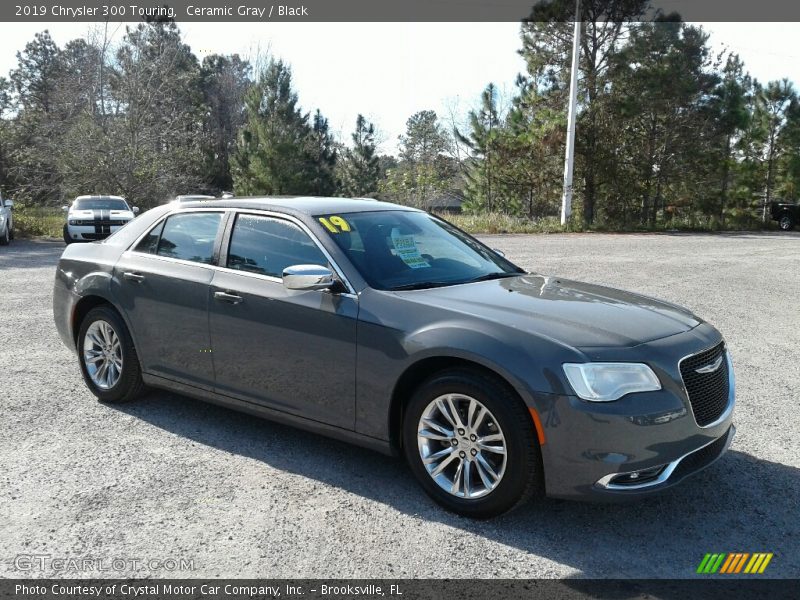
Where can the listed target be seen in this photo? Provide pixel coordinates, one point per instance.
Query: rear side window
(187, 236)
(267, 246)
(149, 243)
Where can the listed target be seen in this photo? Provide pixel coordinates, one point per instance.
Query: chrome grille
(111, 222)
(708, 392)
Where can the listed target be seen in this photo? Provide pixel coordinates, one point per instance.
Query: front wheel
(5, 236)
(109, 363)
(471, 444)
(786, 222)
(67, 238)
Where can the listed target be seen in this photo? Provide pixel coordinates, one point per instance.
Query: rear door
(162, 286)
(293, 351)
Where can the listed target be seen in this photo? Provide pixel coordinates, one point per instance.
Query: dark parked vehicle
(390, 328)
(787, 215)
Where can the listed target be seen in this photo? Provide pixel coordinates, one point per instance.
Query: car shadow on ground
(739, 504)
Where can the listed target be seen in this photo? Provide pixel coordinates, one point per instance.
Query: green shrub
(31, 221)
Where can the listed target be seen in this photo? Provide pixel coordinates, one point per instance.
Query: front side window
(396, 250)
(266, 246)
(186, 236)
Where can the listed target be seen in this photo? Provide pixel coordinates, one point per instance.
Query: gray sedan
(390, 328)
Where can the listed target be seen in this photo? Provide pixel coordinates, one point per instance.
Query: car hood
(97, 214)
(581, 315)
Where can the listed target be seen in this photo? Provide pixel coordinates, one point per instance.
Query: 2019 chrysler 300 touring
(390, 328)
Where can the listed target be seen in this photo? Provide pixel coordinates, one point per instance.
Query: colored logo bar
(735, 562)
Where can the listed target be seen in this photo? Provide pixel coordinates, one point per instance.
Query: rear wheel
(109, 363)
(471, 444)
(786, 222)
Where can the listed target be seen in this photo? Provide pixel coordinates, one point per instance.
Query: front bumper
(88, 233)
(667, 475)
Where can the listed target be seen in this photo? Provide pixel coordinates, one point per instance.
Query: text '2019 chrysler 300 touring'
(388, 327)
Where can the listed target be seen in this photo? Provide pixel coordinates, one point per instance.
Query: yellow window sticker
(335, 224)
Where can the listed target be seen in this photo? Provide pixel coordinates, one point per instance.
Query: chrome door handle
(137, 277)
(228, 297)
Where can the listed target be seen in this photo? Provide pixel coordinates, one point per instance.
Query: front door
(288, 350)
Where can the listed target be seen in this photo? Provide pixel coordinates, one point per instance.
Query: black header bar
(392, 10)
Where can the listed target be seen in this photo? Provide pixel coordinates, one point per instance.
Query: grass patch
(32, 221)
(501, 223)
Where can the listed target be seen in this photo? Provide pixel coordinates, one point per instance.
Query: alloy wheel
(102, 355)
(461, 446)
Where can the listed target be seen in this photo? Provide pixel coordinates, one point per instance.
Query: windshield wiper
(422, 285)
(490, 276)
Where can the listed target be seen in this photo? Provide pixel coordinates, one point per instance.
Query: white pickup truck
(6, 221)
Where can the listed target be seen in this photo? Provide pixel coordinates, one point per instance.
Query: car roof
(189, 197)
(100, 197)
(309, 205)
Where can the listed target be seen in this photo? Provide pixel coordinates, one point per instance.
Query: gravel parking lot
(172, 478)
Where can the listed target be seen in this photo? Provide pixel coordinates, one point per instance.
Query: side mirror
(500, 252)
(9, 203)
(65, 208)
(308, 277)
(135, 210)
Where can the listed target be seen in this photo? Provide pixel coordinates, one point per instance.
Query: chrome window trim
(605, 482)
(351, 293)
(731, 386)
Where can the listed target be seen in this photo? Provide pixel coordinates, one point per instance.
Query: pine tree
(772, 105)
(482, 140)
(729, 109)
(271, 152)
(359, 168)
(322, 157)
(224, 81)
(424, 171)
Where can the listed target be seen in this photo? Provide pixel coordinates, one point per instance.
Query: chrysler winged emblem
(710, 367)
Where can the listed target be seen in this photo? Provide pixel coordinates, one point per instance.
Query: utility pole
(569, 160)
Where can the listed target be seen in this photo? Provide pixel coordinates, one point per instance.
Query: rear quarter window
(149, 243)
(185, 236)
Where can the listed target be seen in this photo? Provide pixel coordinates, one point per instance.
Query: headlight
(604, 382)
(72, 222)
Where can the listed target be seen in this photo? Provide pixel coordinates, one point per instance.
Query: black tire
(786, 222)
(5, 236)
(523, 477)
(129, 385)
(67, 239)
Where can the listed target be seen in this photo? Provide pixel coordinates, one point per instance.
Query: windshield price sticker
(335, 224)
(406, 248)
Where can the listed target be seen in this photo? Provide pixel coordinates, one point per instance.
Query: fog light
(638, 477)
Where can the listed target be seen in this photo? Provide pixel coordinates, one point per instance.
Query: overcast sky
(388, 71)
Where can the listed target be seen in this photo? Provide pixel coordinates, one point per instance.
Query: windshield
(100, 204)
(396, 250)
